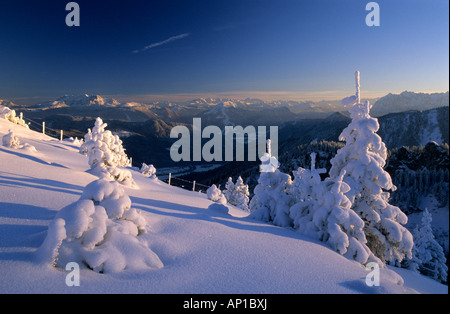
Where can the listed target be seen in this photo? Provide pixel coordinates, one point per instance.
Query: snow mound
(100, 230)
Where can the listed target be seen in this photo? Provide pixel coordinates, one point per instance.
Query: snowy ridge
(406, 100)
(415, 128)
(219, 112)
(203, 249)
(79, 101)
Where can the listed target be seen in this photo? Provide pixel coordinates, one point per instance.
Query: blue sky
(284, 48)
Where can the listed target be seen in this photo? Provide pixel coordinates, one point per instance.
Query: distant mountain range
(408, 119)
(394, 103)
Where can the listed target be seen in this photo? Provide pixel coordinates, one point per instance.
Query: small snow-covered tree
(148, 171)
(428, 252)
(304, 191)
(100, 230)
(11, 140)
(106, 154)
(103, 148)
(305, 180)
(237, 193)
(214, 194)
(413, 262)
(229, 188)
(241, 194)
(87, 137)
(272, 198)
(363, 158)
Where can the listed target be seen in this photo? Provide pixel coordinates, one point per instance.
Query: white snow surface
(203, 247)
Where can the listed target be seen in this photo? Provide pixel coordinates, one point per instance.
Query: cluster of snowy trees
(414, 185)
(101, 230)
(236, 194)
(299, 156)
(11, 116)
(11, 140)
(350, 209)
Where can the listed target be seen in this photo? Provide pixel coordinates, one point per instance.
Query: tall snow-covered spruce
(363, 158)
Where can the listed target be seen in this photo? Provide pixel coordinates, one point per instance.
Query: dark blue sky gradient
(246, 45)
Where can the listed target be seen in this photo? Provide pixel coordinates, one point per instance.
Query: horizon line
(267, 96)
(314, 96)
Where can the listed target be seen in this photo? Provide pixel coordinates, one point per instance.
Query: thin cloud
(168, 40)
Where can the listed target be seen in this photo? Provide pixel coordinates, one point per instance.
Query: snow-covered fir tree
(429, 254)
(363, 158)
(241, 194)
(148, 171)
(304, 192)
(229, 188)
(272, 200)
(215, 194)
(106, 154)
(305, 180)
(322, 211)
(103, 148)
(11, 140)
(343, 227)
(413, 262)
(237, 194)
(101, 230)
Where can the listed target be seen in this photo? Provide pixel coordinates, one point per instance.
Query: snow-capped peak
(79, 100)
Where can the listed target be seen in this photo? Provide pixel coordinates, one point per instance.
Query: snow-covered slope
(203, 250)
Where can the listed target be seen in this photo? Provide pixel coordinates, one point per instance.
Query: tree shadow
(211, 215)
(29, 212)
(29, 157)
(38, 183)
(19, 240)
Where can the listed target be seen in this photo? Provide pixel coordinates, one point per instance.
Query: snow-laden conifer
(101, 230)
(215, 194)
(429, 255)
(106, 154)
(272, 198)
(237, 194)
(363, 158)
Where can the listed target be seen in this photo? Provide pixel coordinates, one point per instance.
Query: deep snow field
(204, 250)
